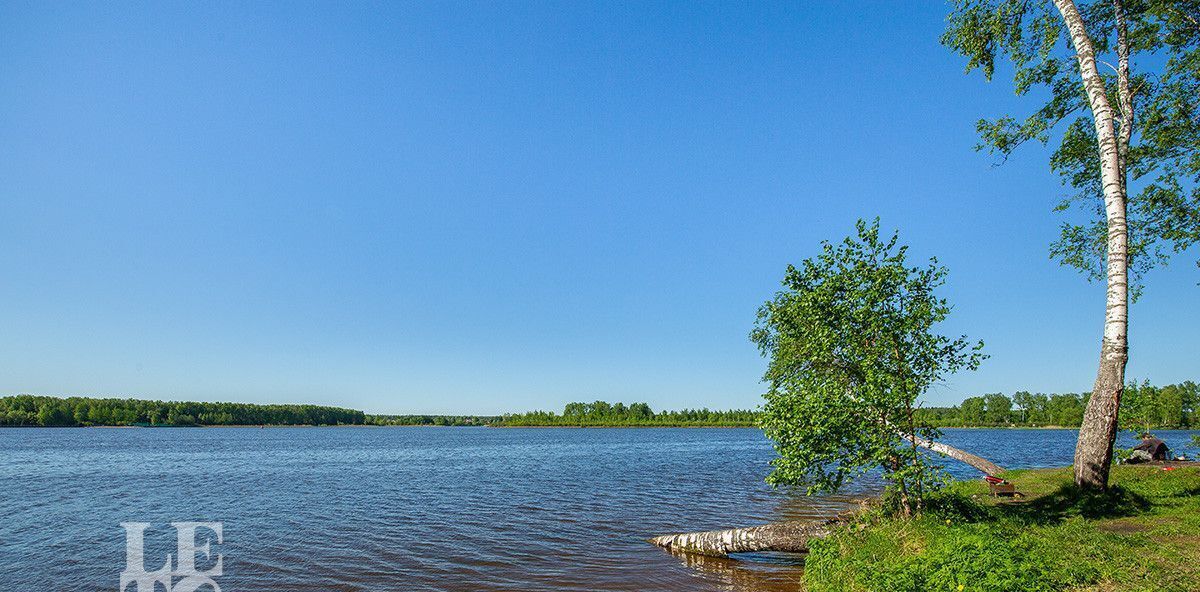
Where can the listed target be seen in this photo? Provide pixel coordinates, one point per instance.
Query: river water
(410, 509)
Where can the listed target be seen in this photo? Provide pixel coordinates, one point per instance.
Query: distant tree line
(29, 410)
(603, 413)
(1143, 407)
(432, 420)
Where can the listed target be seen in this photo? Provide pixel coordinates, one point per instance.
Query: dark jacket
(1156, 448)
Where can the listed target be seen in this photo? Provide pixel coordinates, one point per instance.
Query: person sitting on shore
(1150, 449)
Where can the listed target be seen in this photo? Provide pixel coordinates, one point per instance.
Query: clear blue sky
(470, 207)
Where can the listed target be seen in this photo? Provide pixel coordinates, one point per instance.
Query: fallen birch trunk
(790, 536)
(986, 466)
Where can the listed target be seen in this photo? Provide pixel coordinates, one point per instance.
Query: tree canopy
(1159, 116)
(851, 343)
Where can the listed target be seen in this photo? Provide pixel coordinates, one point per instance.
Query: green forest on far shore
(29, 410)
(1143, 407)
(432, 420)
(604, 414)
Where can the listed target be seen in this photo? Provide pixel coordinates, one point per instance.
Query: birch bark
(1093, 451)
(790, 537)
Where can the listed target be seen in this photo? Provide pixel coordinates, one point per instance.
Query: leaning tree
(1121, 86)
(852, 344)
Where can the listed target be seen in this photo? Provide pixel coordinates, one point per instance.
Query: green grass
(1142, 536)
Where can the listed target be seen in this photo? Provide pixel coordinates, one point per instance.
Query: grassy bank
(1144, 536)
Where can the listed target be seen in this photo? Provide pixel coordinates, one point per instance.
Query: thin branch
(1124, 94)
(1190, 18)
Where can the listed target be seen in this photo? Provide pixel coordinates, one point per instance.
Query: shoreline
(501, 426)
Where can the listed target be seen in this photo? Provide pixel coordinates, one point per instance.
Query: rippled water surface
(416, 508)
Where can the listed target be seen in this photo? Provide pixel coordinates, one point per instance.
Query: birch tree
(1122, 81)
(852, 345)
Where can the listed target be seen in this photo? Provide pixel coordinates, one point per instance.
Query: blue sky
(477, 207)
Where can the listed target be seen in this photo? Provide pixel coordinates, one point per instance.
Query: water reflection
(749, 572)
(771, 571)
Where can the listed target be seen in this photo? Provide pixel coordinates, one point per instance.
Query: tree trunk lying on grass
(791, 536)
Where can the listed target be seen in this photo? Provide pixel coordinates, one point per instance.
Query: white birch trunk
(1093, 451)
(986, 466)
(791, 537)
